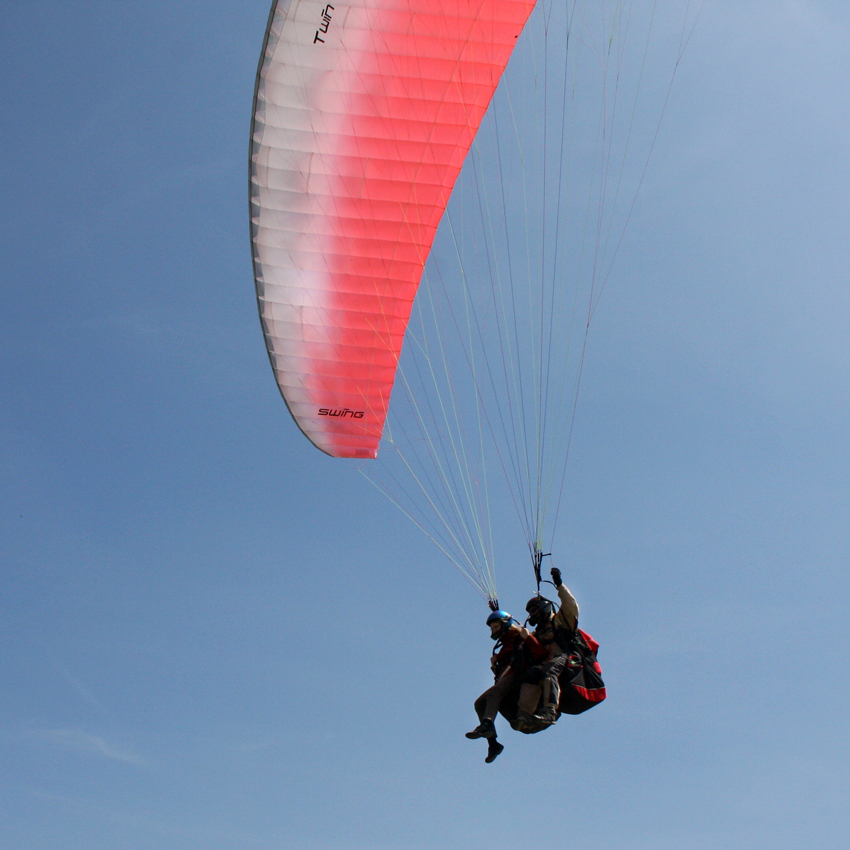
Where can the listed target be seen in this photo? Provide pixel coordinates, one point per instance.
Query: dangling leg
(487, 706)
(485, 728)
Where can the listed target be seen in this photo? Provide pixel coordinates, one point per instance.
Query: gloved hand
(556, 576)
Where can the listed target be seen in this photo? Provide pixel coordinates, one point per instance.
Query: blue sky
(215, 637)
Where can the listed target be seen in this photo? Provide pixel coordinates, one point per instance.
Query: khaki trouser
(546, 694)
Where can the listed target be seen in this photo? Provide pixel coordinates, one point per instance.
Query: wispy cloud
(84, 693)
(74, 739)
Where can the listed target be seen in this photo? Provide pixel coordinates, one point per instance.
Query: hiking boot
(547, 717)
(493, 752)
(485, 729)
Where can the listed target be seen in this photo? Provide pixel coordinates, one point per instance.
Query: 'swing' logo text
(333, 411)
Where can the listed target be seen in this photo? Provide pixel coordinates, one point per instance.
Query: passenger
(515, 650)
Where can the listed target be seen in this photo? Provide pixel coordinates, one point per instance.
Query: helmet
(500, 617)
(540, 610)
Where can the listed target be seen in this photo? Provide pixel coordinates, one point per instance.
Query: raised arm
(567, 616)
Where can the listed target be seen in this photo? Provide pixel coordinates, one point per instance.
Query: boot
(493, 750)
(485, 729)
(547, 717)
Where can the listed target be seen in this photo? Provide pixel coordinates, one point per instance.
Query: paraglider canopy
(363, 115)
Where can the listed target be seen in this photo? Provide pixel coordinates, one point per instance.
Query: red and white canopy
(364, 112)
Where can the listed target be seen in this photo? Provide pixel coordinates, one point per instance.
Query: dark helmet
(540, 610)
(500, 617)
